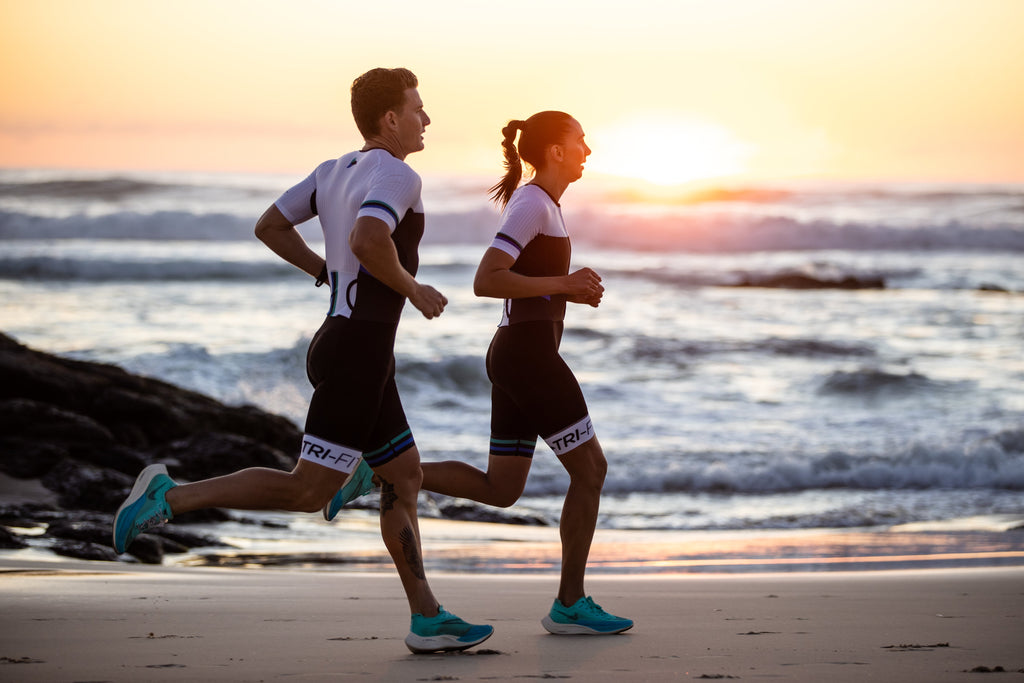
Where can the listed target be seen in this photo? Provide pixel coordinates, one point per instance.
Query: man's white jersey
(371, 183)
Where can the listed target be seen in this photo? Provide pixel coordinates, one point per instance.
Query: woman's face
(575, 151)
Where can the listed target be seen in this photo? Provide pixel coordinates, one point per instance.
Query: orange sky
(667, 91)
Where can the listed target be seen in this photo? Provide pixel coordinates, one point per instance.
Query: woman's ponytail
(503, 190)
(540, 131)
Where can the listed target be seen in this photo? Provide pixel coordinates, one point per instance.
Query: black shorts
(355, 404)
(533, 391)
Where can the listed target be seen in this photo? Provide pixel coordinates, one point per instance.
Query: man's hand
(428, 301)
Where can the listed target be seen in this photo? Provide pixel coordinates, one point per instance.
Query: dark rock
(35, 420)
(80, 531)
(256, 424)
(186, 539)
(172, 547)
(801, 281)
(134, 416)
(214, 454)
(472, 513)
(138, 412)
(10, 540)
(29, 514)
(83, 550)
(206, 516)
(147, 549)
(265, 523)
(29, 458)
(123, 459)
(86, 487)
(989, 287)
(85, 430)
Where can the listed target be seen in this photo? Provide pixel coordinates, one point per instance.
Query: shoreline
(352, 544)
(90, 621)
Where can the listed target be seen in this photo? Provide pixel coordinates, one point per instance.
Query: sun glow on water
(666, 150)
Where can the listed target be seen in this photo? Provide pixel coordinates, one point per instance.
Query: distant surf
(766, 357)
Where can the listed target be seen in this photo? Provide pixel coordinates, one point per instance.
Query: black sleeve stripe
(312, 203)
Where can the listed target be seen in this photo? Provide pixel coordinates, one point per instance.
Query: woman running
(533, 390)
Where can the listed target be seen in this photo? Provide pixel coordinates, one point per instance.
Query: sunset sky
(668, 91)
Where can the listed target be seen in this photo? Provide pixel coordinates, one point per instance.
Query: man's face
(412, 121)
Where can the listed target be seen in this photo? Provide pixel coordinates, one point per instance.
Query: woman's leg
(587, 467)
(511, 454)
(501, 485)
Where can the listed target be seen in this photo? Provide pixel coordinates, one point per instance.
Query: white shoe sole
(422, 645)
(558, 629)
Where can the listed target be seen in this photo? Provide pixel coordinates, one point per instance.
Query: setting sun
(666, 151)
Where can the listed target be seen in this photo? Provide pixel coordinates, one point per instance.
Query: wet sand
(82, 621)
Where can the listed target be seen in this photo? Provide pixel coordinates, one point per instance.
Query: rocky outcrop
(795, 280)
(86, 429)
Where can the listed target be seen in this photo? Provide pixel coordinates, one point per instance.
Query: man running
(371, 212)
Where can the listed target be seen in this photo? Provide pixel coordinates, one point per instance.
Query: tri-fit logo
(330, 455)
(566, 440)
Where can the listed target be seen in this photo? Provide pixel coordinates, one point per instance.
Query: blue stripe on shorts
(390, 450)
(521, 447)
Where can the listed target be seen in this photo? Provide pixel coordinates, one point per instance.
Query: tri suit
(533, 391)
(355, 410)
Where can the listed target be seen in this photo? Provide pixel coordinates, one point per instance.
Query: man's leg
(433, 629)
(305, 489)
(156, 498)
(399, 527)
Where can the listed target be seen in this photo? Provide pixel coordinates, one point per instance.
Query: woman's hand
(584, 287)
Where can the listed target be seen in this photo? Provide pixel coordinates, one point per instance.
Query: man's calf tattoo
(387, 495)
(411, 550)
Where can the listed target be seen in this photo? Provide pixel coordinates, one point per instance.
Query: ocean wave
(465, 375)
(119, 261)
(725, 233)
(982, 464)
(733, 233)
(130, 225)
(113, 188)
(807, 276)
(114, 270)
(812, 348)
(678, 352)
(875, 383)
(1010, 440)
(1005, 197)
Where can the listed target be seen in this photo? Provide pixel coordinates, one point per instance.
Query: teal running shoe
(144, 508)
(585, 617)
(444, 633)
(359, 484)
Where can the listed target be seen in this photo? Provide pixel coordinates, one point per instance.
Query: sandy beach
(82, 621)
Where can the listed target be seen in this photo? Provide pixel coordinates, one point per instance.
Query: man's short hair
(377, 92)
